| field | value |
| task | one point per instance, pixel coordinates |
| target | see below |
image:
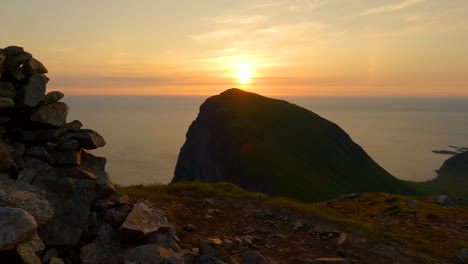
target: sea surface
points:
(145, 133)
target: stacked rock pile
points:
(54, 194)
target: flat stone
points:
(151, 254)
(204, 259)
(104, 185)
(34, 66)
(13, 51)
(74, 172)
(35, 244)
(16, 226)
(142, 221)
(6, 156)
(89, 139)
(17, 194)
(331, 261)
(27, 175)
(74, 125)
(54, 114)
(28, 251)
(39, 152)
(55, 260)
(52, 97)
(32, 91)
(38, 135)
(69, 145)
(6, 103)
(71, 157)
(19, 75)
(24, 57)
(163, 241)
(103, 248)
(253, 257)
(88, 160)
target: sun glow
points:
(243, 72)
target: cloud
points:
(216, 35)
(391, 8)
(307, 5)
(239, 20)
(266, 5)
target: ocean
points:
(145, 133)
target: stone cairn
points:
(57, 203)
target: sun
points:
(244, 73)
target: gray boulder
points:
(39, 135)
(142, 221)
(16, 226)
(52, 97)
(18, 194)
(205, 259)
(71, 200)
(164, 241)
(103, 248)
(444, 200)
(32, 91)
(28, 252)
(151, 254)
(74, 126)
(88, 139)
(34, 66)
(54, 114)
(253, 257)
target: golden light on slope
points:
(243, 72)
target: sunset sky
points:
(290, 47)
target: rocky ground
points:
(283, 231)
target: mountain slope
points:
(452, 178)
(278, 148)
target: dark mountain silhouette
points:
(278, 148)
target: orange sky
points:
(295, 47)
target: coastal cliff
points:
(272, 146)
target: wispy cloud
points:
(392, 8)
(216, 35)
(266, 5)
(239, 20)
(309, 5)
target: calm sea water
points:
(145, 133)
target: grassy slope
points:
(297, 152)
(428, 230)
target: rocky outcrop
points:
(51, 185)
(272, 146)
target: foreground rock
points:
(17, 194)
(142, 221)
(16, 226)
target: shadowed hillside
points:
(278, 148)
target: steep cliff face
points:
(278, 148)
